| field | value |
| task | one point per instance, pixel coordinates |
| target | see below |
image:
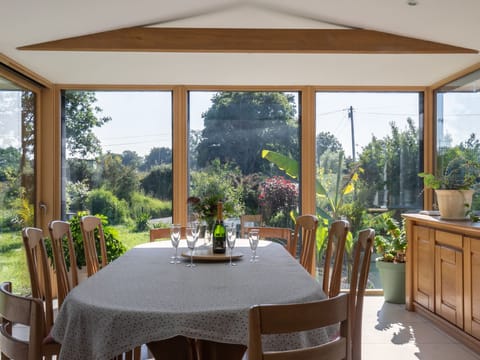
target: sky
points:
(151, 113)
(142, 119)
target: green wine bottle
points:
(219, 232)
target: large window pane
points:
(17, 179)
(458, 123)
(232, 139)
(368, 160)
(118, 156)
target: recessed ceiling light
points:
(412, 2)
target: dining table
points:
(141, 297)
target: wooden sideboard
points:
(443, 274)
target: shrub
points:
(141, 223)
(278, 196)
(115, 247)
(76, 196)
(155, 208)
(101, 201)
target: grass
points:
(13, 264)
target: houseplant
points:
(115, 247)
(391, 243)
(454, 188)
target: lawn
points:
(13, 266)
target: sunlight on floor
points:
(390, 332)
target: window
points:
(458, 123)
(238, 141)
(17, 177)
(368, 155)
(118, 155)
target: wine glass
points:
(253, 240)
(192, 236)
(231, 237)
(195, 225)
(175, 238)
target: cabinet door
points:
(472, 286)
(449, 277)
(424, 266)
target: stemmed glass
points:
(192, 236)
(175, 238)
(195, 225)
(253, 240)
(231, 237)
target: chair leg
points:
(137, 353)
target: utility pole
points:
(350, 116)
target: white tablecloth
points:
(140, 297)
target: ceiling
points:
(450, 22)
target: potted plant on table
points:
(454, 189)
(391, 243)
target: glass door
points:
(17, 177)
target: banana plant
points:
(334, 200)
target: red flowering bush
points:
(278, 196)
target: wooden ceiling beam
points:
(221, 40)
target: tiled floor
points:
(390, 333)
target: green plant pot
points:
(392, 277)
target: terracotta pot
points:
(454, 204)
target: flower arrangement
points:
(205, 209)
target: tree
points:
(391, 169)
(157, 156)
(81, 116)
(239, 125)
(9, 161)
(327, 141)
(158, 182)
(119, 179)
(131, 158)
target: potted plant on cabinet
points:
(454, 188)
(391, 243)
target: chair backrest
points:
(164, 233)
(305, 230)
(39, 271)
(247, 221)
(27, 311)
(92, 230)
(332, 273)
(277, 233)
(363, 249)
(60, 233)
(290, 318)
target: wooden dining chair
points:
(60, 233)
(39, 271)
(333, 259)
(280, 234)
(363, 249)
(305, 231)
(164, 233)
(92, 232)
(247, 221)
(27, 312)
(290, 318)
